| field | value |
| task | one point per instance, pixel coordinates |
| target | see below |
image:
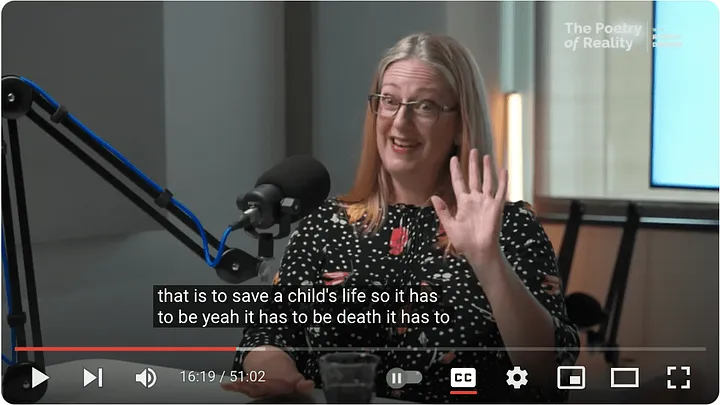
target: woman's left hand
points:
(474, 229)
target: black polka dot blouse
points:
(326, 249)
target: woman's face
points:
(416, 139)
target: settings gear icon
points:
(517, 377)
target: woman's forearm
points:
(522, 321)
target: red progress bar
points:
(463, 392)
(125, 349)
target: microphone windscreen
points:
(300, 177)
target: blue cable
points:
(212, 262)
(6, 276)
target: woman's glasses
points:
(425, 112)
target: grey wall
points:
(104, 62)
(224, 101)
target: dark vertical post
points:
(298, 78)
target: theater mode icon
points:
(624, 377)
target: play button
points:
(37, 378)
(24, 383)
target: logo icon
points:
(517, 377)
(620, 374)
(571, 377)
(685, 385)
(661, 38)
(462, 378)
(147, 378)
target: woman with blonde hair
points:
(427, 208)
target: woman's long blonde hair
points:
(370, 193)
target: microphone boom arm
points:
(18, 98)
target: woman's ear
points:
(455, 150)
(457, 140)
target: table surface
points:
(65, 385)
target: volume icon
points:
(147, 378)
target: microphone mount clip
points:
(229, 269)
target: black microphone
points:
(301, 178)
(284, 194)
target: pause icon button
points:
(397, 378)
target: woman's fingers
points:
(457, 178)
(243, 388)
(305, 386)
(487, 185)
(253, 390)
(502, 186)
(474, 171)
(269, 387)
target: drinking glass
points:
(349, 378)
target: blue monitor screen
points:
(685, 91)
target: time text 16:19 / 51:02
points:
(211, 376)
